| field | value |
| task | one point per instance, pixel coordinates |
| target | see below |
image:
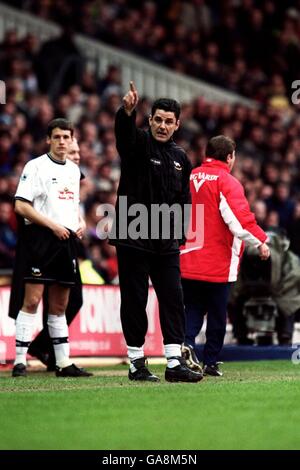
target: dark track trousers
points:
(201, 298)
(135, 267)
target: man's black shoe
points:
(40, 355)
(182, 373)
(51, 363)
(213, 370)
(189, 355)
(51, 366)
(47, 359)
(72, 371)
(142, 372)
(19, 370)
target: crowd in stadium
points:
(247, 46)
(258, 56)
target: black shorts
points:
(48, 260)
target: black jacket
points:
(151, 173)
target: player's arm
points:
(128, 136)
(26, 210)
(236, 213)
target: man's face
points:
(59, 142)
(163, 124)
(73, 152)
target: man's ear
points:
(48, 140)
(150, 119)
(177, 124)
(229, 157)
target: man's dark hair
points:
(5, 133)
(61, 123)
(167, 105)
(219, 147)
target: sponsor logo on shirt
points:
(200, 178)
(155, 162)
(36, 272)
(203, 176)
(177, 166)
(66, 194)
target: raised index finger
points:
(132, 87)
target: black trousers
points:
(201, 298)
(135, 268)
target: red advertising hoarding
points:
(96, 330)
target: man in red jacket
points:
(208, 270)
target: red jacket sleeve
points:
(236, 213)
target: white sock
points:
(171, 351)
(24, 328)
(133, 354)
(59, 333)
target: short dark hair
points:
(5, 133)
(61, 123)
(167, 104)
(219, 147)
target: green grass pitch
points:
(254, 406)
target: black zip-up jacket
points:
(151, 173)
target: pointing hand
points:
(130, 100)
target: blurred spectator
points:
(59, 58)
(272, 220)
(111, 83)
(6, 151)
(8, 237)
(294, 229)
(260, 211)
(281, 203)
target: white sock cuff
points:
(26, 318)
(134, 352)
(57, 321)
(57, 325)
(172, 350)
